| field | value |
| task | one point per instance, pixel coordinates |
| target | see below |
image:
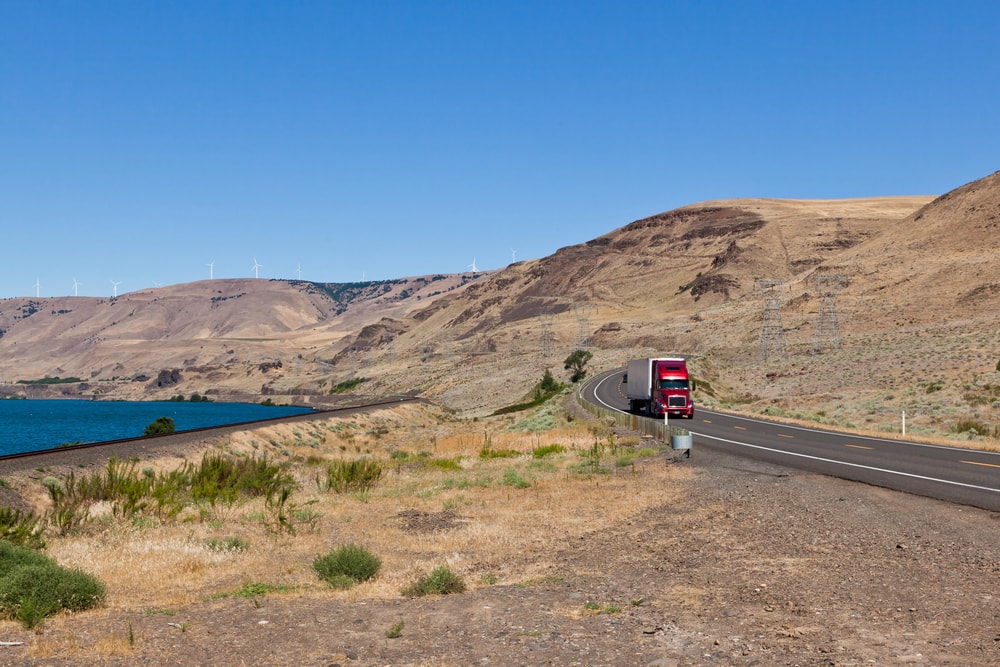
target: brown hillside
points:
(904, 279)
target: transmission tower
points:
(548, 337)
(827, 329)
(583, 314)
(772, 334)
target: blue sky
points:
(140, 141)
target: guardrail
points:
(654, 427)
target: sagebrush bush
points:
(347, 565)
(441, 581)
(33, 587)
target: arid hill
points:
(873, 306)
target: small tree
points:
(577, 362)
(548, 385)
(161, 425)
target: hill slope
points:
(876, 297)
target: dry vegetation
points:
(607, 550)
(454, 493)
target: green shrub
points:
(547, 450)
(490, 453)
(224, 479)
(444, 464)
(21, 528)
(395, 631)
(346, 385)
(358, 475)
(13, 556)
(512, 478)
(161, 425)
(218, 479)
(227, 544)
(971, 426)
(32, 587)
(347, 565)
(441, 581)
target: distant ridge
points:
(687, 281)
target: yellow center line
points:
(782, 435)
(742, 428)
(707, 421)
(977, 463)
(847, 444)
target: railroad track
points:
(85, 454)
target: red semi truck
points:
(658, 386)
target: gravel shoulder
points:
(752, 565)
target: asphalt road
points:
(955, 474)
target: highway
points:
(955, 474)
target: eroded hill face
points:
(874, 297)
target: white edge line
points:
(819, 458)
(850, 465)
(851, 435)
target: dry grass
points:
(495, 532)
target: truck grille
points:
(676, 402)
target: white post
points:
(904, 422)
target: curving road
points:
(966, 476)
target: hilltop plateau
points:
(874, 306)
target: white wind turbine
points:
(114, 285)
(256, 268)
(473, 266)
(38, 288)
(298, 271)
(76, 288)
(211, 270)
(513, 256)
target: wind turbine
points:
(298, 271)
(114, 285)
(38, 288)
(473, 266)
(256, 268)
(211, 270)
(513, 256)
(76, 288)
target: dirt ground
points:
(752, 564)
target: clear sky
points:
(141, 141)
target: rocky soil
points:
(751, 564)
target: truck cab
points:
(659, 386)
(673, 388)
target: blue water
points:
(29, 426)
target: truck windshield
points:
(673, 384)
